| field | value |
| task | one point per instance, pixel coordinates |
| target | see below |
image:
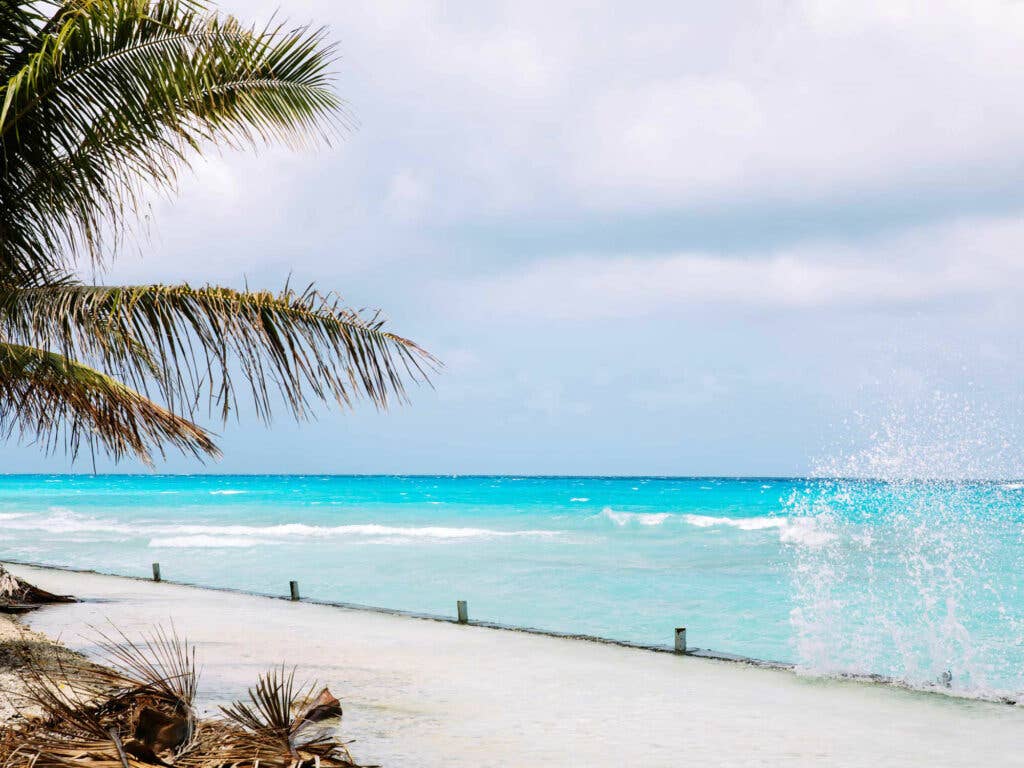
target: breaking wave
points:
(743, 523)
(635, 518)
(801, 530)
(60, 521)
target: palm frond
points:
(269, 713)
(162, 662)
(185, 341)
(20, 24)
(64, 402)
(115, 96)
(114, 716)
(97, 716)
(102, 102)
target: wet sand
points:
(428, 693)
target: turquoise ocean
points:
(918, 581)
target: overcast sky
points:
(644, 237)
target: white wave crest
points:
(635, 518)
(61, 521)
(239, 536)
(579, 498)
(227, 492)
(698, 521)
(743, 523)
(802, 531)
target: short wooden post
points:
(680, 646)
(156, 571)
(463, 610)
(294, 587)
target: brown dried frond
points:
(137, 713)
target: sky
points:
(725, 238)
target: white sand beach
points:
(429, 693)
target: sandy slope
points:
(435, 694)
(16, 642)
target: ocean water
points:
(920, 581)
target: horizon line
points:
(524, 476)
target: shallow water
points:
(907, 579)
(430, 694)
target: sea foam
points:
(62, 522)
(635, 518)
(698, 521)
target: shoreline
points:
(864, 678)
(438, 693)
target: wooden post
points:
(463, 611)
(156, 571)
(680, 646)
(294, 587)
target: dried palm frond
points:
(163, 663)
(63, 402)
(269, 715)
(94, 713)
(190, 343)
(137, 713)
(17, 594)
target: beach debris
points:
(157, 732)
(320, 721)
(17, 595)
(137, 711)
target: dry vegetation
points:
(137, 711)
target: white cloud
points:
(813, 99)
(538, 107)
(953, 265)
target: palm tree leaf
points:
(186, 341)
(112, 97)
(20, 23)
(64, 402)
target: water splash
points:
(918, 575)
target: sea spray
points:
(917, 574)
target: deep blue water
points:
(908, 579)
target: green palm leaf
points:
(103, 102)
(115, 96)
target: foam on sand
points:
(435, 694)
